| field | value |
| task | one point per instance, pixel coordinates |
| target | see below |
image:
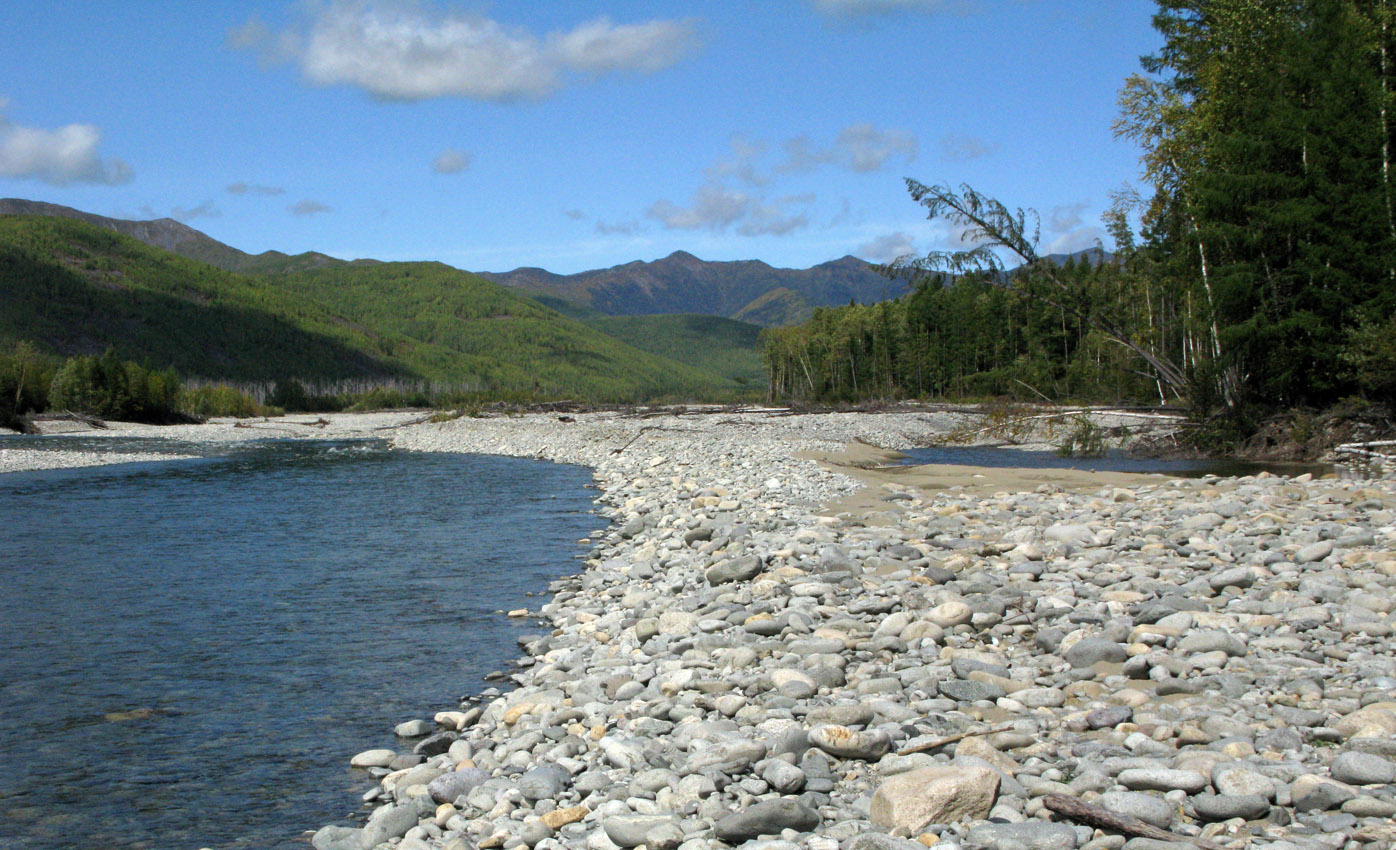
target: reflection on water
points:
(195, 648)
(997, 457)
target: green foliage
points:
(25, 376)
(1370, 356)
(110, 388)
(1085, 439)
(71, 288)
(220, 400)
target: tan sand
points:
(870, 465)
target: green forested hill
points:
(71, 287)
(727, 347)
(465, 328)
(74, 288)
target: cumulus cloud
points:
(716, 208)
(243, 188)
(741, 165)
(401, 50)
(451, 161)
(954, 148)
(600, 46)
(1066, 217)
(771, 220)
(205, 210)
(58, 157)
(858, 147)
(712, 208)
(620, 228)
(1075, 240)
(307, 207)
(885, 249)
(860, 8)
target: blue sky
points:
(570, 136)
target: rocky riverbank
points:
(738, 667)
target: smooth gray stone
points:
(1109, 717)
(448, 786)
(840, 715)
(388, 822)
(744, 568)
(878, 841)
(1219, 807)
(1149, 808)
(543, 783)
(965, 690)
(727, 757)
(767, 817)
(630, 830)
(665, 836)
(1162, 779)
(784, 777)
(1336, 823)
(1093, 650)
(1212, 641)
(1033, 835)
(534, 831)
(413, 728)
(1362, 769)
(1314, 552)
(435, 745)
(337, 838)
(1325, 797)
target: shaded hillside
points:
(725, 347)
(70, 287)
(682, 283)
(777, 308)
(178, 238)
(461, 327)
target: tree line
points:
(1254, 269)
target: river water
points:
(190, 651)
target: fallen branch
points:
(950, 739)
(1077, 810)
(70, 416)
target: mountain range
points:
(747, 290)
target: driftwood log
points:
(950, 739)
(1077, 810)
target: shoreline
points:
(765, 624)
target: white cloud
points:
(863, 147)
(858, 147)
(1066, 217)
(600, 46)
(859, 8)
(955, 148)
(742, 163)
(712, 208)
(620, 228)
(1076, 240)
(307, 207)
(716, 208)
(401, 50)
(58, 157)
(205, 210)
(885, 249)
(243, 188)
(451, 161)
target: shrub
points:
(111, 388)
(220, 400)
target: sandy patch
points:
(871, 467)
